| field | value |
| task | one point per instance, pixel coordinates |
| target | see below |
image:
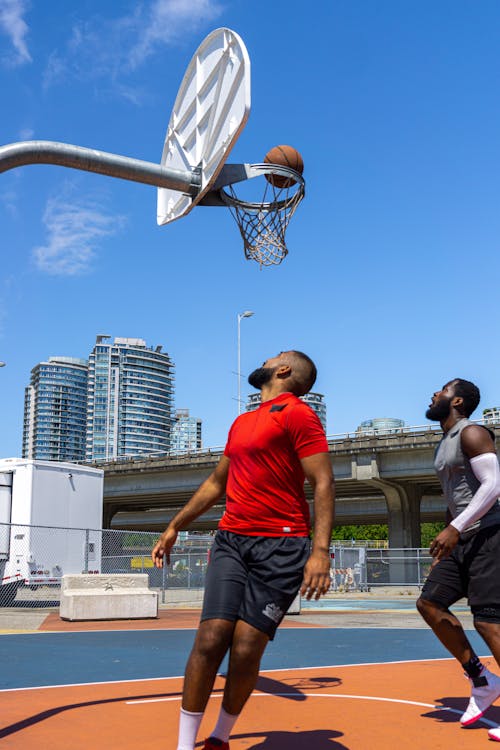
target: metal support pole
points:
(239, 364)
(86, 561)
(163, 579)
(89, 160)
(246, 314)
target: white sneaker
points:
(482, 696)
(494, 734)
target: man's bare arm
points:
(475, 441)
(318, 470)
(205, 496)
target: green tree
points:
(380, 531)
(370, 531)
(429, 531)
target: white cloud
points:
(74, 229)
(15, 27)
(111, 48)
(26, 134)
(165, 21)
(10, 192)
(55, 70)
(9, 200)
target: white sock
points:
(189, 723)
(225, 723)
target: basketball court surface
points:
(118, 685)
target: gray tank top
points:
(458, 480)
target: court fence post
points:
(86, 561)
(163, 579)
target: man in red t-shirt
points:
(261, 555)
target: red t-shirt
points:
(265, 486)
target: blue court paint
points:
(65, 658)
(40, 659)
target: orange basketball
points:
(284, 156)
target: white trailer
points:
(36, 497)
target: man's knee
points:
(429, 610)
(248, 643)
(423, 606)
(213, 638)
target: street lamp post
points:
(246, 314)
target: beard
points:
(260, 377)
(438, 411)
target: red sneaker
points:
(213, 743)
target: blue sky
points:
(391, 284)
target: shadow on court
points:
(457, 706)
(292, 688)
(313, 683)
(288, 688)
(316, 739)
(30, 721)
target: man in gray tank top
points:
(467, 552)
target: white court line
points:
(326, 695)
(263, 671)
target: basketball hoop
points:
(263, 224)
(210, 111)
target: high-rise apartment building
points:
(130, 399)
(491, 415)
(380, 425)
(186, 432)
(55, 410)
(315, 400)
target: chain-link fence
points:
(34, 558)
(361, 568)
(397, 567)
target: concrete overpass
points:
(385, 478)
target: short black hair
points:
(313, 372)
(468, 392)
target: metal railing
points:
(334, 438)
(33, 560)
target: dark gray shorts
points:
(253, 578)
(473, 571)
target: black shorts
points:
(253, 578)
(473, 571)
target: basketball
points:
(284, 156)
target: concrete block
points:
(107, 597)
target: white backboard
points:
(210, 111)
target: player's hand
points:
(163, 546)
(316, 575)
(443, 544)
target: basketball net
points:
(263, 225)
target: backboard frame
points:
(210, 111)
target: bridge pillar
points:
(403, 506)
(108, 511)
(402, 498)
(403, 510)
